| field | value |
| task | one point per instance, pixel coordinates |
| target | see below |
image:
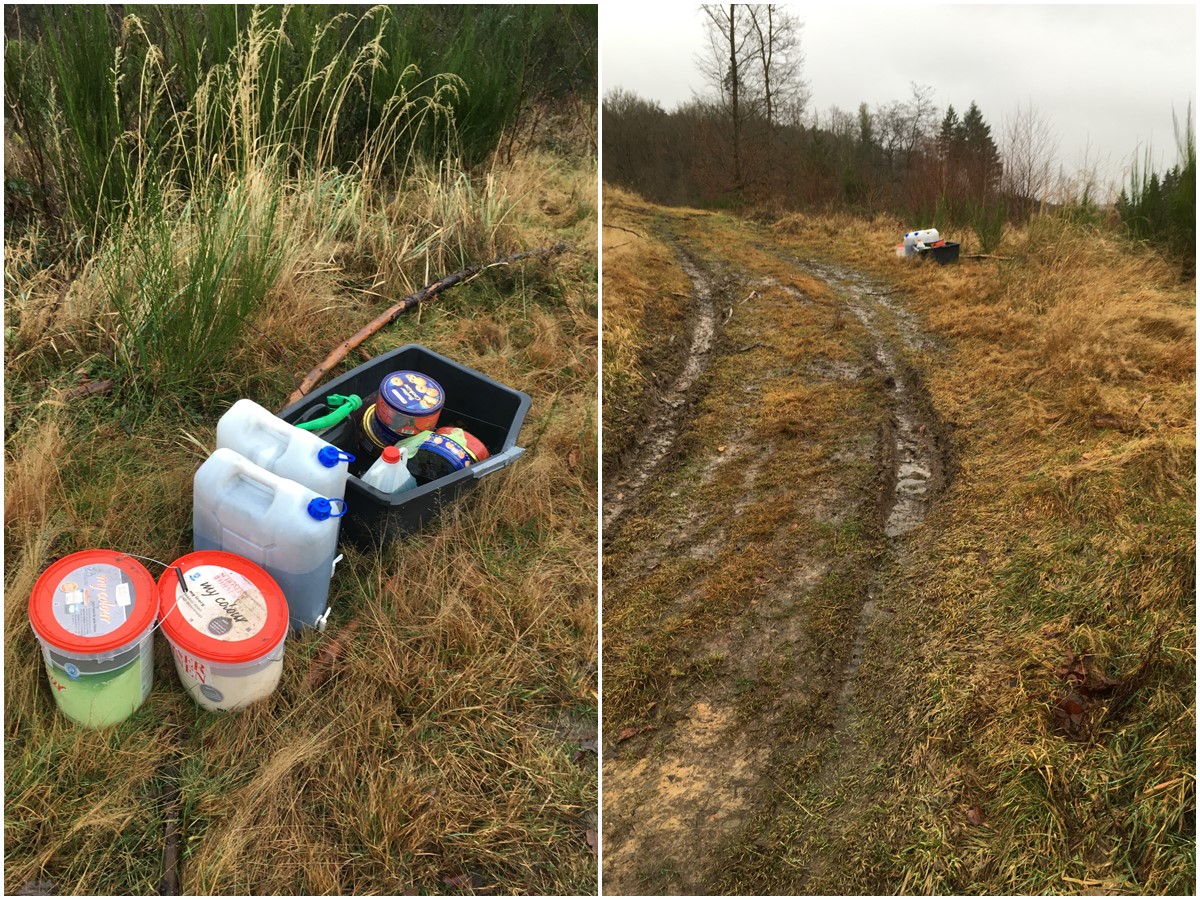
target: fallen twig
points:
(169, 885)
(750, 347)
(628, 230)
(989, 256)
(412, 300)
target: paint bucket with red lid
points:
(226, 624)
(93, 613)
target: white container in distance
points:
(93, 613)
(272, 521)
(390, 472)
(923, 237)
(280, 447)
(226, 622)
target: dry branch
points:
(411, 301)
(627, 230)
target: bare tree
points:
(778, 79)
(725, 68)
(920, 118)
(1030, 148)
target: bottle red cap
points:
(391, 455)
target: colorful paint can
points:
(226, 623)
(473, 445)
(93, 613)
(437, 457)
(372, 436)
(409, 402)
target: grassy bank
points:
(443, 751)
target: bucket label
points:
(222, 604)
(93, 600)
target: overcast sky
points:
(1108, 77)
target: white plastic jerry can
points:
(278, 523)
(915, 240)
(282, 448)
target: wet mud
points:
(655, 444)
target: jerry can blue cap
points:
(322, 509)
(331, 456)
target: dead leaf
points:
(459, 881)
(573, 460)
(592, 838)
(975, 815)
(1070, 713)
(721, 449)
(627, 732)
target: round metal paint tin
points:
(473, 445)
(437, 457)
(409, 402)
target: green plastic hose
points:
(344, 405)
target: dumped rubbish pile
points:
(373, 457)
(928, 243)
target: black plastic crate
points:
(484, 407)
(943, 255)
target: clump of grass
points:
(184, 287)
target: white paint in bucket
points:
(226, 624)
(93, 613)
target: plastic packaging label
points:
(93, 600)
(222, 604)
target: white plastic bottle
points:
(273, 521)
(390, 472)
(280, 447)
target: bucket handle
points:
(162, 617)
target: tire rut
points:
(654, 445)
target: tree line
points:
(754, 138)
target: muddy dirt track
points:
(749, 561)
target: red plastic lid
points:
(232, 611)
(391, 454)
(94, 601)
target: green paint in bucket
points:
(93, 613)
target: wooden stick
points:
(626, 230)
(412, 300)
(169, 885)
